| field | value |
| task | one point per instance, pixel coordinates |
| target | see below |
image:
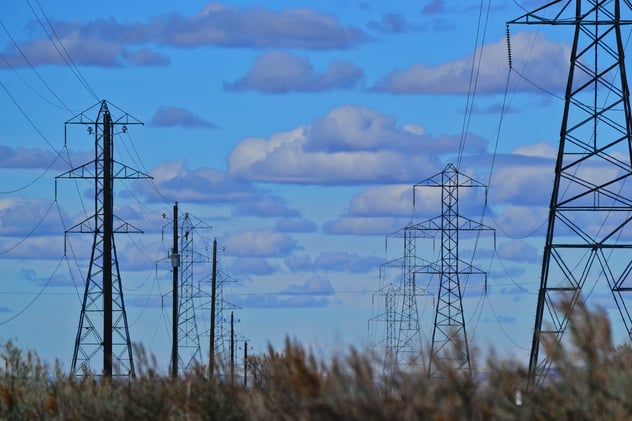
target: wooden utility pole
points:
(175, 266)
(245, 363)
(232, 347)
(211, 363)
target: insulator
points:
(509, 47)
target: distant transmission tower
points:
(103, 331)
(190, 351)
(402, 342)
(387, 295)
(408, 346)
(449, 337)
(589, 234)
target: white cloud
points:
(265, 207)
(280, 72)
(335, 262)
(315, 285)
(350, 145)
(173, 180)
(383, 201)
(107, 42)
(171, 116)
(348, 225)
(295, 225)
(518, 251)
(265, 243)
(22, 217)
(543, 62)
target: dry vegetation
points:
(595, 382)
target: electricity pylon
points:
(189, 348)
(103, 330)
(589, 233)
(402, 345)
(449, 336)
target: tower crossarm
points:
(561, 16)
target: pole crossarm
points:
(87, 116)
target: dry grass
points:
(595, 382)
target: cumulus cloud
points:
(350, 145)
(265, 207)
(334, 262)
(29, 158)
(315, 285)
(252, 266)
(543, 62)
(383, 201)
(295, 225)
(390, 23)
(50, 280)
(37, 248)
(108, 42)
(518, 251)
(174, 180)
(350, 225)
(275, 301)
(434, 7)
(171, 116)
(279, 72)
(28, 217)
(263, 243)
(313, 292)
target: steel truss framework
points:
(189, 348)
(103, 330)
(402, 344)
(589, 234)
(449, 344)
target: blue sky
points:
(296, 131)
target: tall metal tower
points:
(189, 349)
(402, 344)
(103, 330)
(383, 326)
(449, 337)
(589, 234)
(408, 346)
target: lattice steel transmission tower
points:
(589, 234)
(402, 342)
(449, 337)
(189, 348)
(389, 317)
(408, 344)
(103, 330)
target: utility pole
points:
(175, 268)
(588, 238)
(211, 363)
(232, 347)
(103, 294)
(245, 363)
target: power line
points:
(17, 46)
(474, 74)
(64, 55)
(39, 294)
(29, 234)
(28, 118)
